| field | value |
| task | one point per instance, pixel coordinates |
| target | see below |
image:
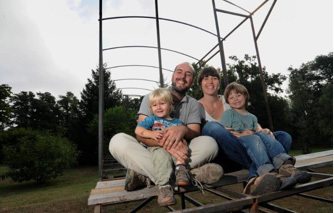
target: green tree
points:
(38, 113)
(69, 112)
(46, 113)
(5, 108)
(90, 95)
(88, 106)
(131, 103)
(23, 107)
(311, 94)
(117, 119)
(37, 156)
(195, 91)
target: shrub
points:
(38, 156)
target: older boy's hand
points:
(268, 132)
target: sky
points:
(52, 45)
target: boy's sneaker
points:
(134, 180)
(182, 175)
(288, 170)
(264, 184)
(166, 196)
(208, 173)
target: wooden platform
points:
(112, 191)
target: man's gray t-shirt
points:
(187, 110)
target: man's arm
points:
(194, 130)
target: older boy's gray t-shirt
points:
(188, 110)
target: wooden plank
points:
(98, 209)
(121, 196)
(112, 191)
(314, 160)
(314, 155)
(110, 183)
(109, 190)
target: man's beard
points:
(180, 91)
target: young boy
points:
(161, 103)
(250, 134)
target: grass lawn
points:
(69, 193)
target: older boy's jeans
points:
(236, 152)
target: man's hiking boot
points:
(182, 175)
(134, 180)
(288, 170)
(264, 184)
(208, 173)
(166, 196)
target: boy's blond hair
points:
(239, 88)
(161, 93)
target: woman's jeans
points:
(259, 153)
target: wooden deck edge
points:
(112, 191)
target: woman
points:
(260, 181)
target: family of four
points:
(172, 148)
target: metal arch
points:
(136, 88)
(136, 79)
(132, 95)
(137, 65)
(153, 47)
(164, 19)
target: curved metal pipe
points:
(137, 65)
(153, 47)
(164, 19)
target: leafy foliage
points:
(40, 113)
(5, 108)
(37, 156)
(88, 142)
(311, 94)
(90, 94)
(117, 119)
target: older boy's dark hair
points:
(207, 71)
(239, 88)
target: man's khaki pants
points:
(132, 155)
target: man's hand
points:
(172, 136)
(180, 151)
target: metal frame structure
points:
(207, 57)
